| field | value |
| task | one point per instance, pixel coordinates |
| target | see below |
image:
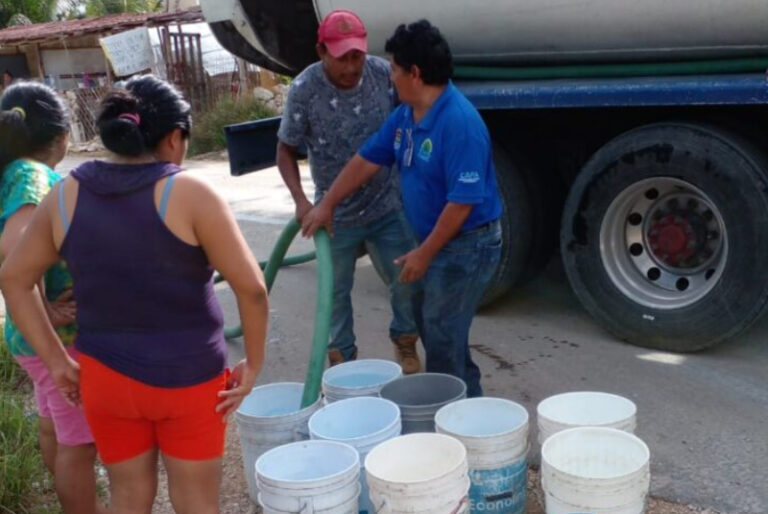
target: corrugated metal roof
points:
(22, 34)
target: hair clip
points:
(135, 118)
(21, 111)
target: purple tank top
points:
(145, 300)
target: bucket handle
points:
(456, 510)
(307, 507)
(301, 432)
(461, 503)
(380, 508)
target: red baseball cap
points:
(342, 31)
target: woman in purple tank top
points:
(141, 242)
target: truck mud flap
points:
(252, 145)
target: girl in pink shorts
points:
(34, 133)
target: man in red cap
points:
(333, 106)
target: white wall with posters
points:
(66, 67)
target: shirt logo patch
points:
(469, 177)
(398, 138)
(425, 152)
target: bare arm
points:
(20, 275)
(288, 165)
(14, 229)
(416, 262)
(228, 252)
(62, 310)
(357, 172)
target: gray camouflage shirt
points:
(334, 124)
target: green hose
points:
(293, 260)
(704, 67)
(322, 328)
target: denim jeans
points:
(386, 239)
(450, 295)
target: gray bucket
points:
(421, 396)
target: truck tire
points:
(516, 224)
(664, 236)
(546, 194)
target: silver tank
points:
(530, 31)
(280, 34)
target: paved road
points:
(704, 416)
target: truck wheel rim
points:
(663, 243)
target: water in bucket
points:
(593, 469)
(320, 477)
(270, 416)
(363, 423)
(358, 378)
(421, 396)
(495, 434)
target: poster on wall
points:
(129, 52)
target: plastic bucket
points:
(495, 434)
(596, 470)
(418, 473)
(362, 423)
(309, 477)
(421, 396)
(584, 409)
(359, 378)
(270, 416)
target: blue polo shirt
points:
(446, 157)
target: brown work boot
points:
(335, 357)
(405, 353)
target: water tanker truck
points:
(631, 135)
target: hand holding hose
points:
(321, 216)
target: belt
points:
(481, 228)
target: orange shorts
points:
(128, 417)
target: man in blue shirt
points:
(448, 184)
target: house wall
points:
(66, 68)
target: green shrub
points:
(208, 128)
(12, 377)
(21, 465)
(25, 487)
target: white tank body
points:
(542, 31)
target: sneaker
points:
(405, 353)
(335, 357)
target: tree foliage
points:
(102, 7)
(36, 11)
(70, 9)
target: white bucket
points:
(310, 477)
(362, 423)
(359, 378)
(584, 409)
(270, 416)
(495, 434)
(418, 473)
(595, 470)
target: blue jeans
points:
(452, 289)
(386, 239)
